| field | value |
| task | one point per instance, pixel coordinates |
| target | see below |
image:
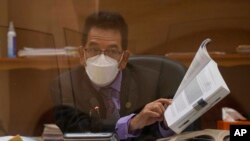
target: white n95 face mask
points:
(101, 69)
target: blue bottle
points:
(11, 41)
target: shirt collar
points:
(116, 84)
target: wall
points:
(4, 101)
(3, 22)
(160, 27)
(4, 75)
(4, 12)
(155, 26)
(44, 15)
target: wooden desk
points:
(44, 63)
(226, 60)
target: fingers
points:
(156, 107)
(164, 101)
(153, 114)
(161, 104)
(150, 114)
(159, 108)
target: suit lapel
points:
(87, 97)
(129, 92)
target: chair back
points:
(173, 71)
(173, 74)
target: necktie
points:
(108, 95)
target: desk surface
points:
(226, 60)
(24, 138)
(44, 63)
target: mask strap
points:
(84, 56)
(124, 54)
(121, 57)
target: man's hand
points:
(152, 112)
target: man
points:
(107, 93)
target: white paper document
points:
(201, 88)
(66, 51)
(90, 136)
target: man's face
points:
(104, 38)
(107, 40)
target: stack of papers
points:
(243, 49)
(18, 138)
(202, 135)
(68, 51)
(52, 132)
(201, 88)
(90, 136)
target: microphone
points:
(94, 113)
(94, 110)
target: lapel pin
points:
(128, 105)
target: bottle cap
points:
(11, 26)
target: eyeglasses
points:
(111, 52)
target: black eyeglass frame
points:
(111, 52)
